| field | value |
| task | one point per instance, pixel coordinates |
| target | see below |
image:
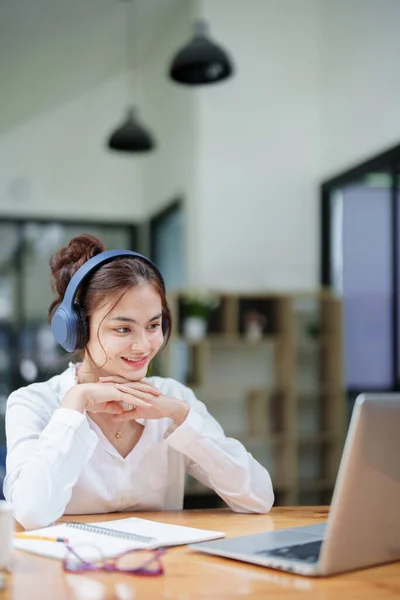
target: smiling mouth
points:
(135, 362)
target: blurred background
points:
(250, 147)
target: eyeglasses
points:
(133, 562)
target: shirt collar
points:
(68, 379)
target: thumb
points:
(113, 407)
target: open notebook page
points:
(158, 534)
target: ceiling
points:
(53, 50)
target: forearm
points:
(180, 413)
(75, 399)
(40, 486)
(223, 464)
(245, 486)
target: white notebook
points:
(112, 537)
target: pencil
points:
(44, 538)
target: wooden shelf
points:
(274, 439)
(281, 486)
(316, 438)
(276, 388)
(228, 339)
(315, 485)
(324, 389)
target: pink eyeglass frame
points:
(109, 564)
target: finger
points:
(143, 385)
(127, 397)
(148, 382)
(113, 407)
(122, 395)
(147, 386)
(126, 416)
(136, 394)
(109, 407)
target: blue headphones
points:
(69, 324)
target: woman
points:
(101, 437)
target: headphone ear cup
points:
(63, 325)
(82, 327)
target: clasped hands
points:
(107, 395)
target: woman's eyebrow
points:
(156, 317)
(129, 320)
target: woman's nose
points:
(140, 342)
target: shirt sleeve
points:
(219, 462)
(46, 454)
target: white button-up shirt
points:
(59, 461)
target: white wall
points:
(65, 87)
(57, 163)
(360, 83)
(171, 171)
(316, 90)
(51, 51)
(259, 148)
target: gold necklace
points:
(119, 434)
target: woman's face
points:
(130, 333)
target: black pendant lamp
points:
(131, 135)
(200, 61)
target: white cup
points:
(6, 535)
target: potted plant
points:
(197, 305)
(254, 324)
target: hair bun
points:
(65, 263)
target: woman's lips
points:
(136, 364)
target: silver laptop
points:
(363, 527)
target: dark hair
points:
(112, 278)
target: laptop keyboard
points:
(308, 552)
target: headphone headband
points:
(97, 261)
(69, 325)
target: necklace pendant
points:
(118, 435)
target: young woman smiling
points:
(102, 436)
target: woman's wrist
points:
(74, 399)
(180, 413)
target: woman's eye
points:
(122, 329)
(154, 326)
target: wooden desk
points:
(192, 575)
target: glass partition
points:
(360, 259)
(28, 351)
